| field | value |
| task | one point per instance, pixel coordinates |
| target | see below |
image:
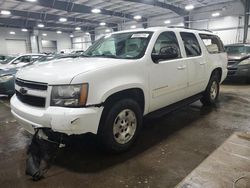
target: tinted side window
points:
(166, 39)
(191, 44)
(213, 43)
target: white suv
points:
(121, 78)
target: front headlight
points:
(245, 62)
(69, 95)
(6, 78)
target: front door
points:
(168, 77)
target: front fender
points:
(121, 88)
(110, 80)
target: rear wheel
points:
(120, 126)
(211, 94)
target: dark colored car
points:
(7, 77)
(8, 69)
(238, 61)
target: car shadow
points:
(84, 155)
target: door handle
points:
(203, 63)
(181, 67)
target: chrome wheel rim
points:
(124, 126)
(214, 90)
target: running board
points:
(165, 110)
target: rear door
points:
(168, 77)
(196, 63)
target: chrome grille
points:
(31, 93)
(31, 85)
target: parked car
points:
(124, 76)
(7, 80)
(20, 61)
(5, 59)
(7, 75)
(239, 61)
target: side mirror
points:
(166, 53)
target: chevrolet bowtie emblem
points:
(23, 91)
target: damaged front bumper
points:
(59, 119)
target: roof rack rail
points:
(183, 27)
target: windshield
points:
(7, 60)
(130, 45)
(238, 49)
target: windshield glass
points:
(7, 60)
(130, 45)
(238, 49)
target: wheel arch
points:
(136, 93)
(217, 71)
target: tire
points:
(120, 125)
(212, 91)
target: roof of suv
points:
(154, 29)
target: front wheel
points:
(120, 126)
(211, 94)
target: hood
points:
(62, 71)
(237, 57)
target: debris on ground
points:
(40, 155)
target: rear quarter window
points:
(212, 43)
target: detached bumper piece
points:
(41, 154)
